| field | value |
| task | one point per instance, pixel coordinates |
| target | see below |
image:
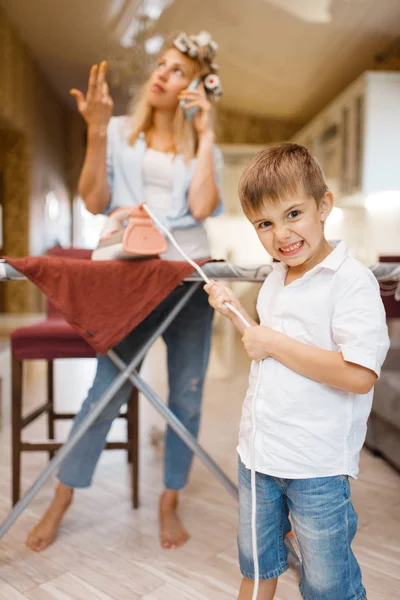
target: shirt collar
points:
(336, 257)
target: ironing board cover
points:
(105, 300)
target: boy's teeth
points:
(292, 247)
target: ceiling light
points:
(133, 43)
(154, 44)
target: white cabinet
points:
(357, 138)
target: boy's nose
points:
(282, 234)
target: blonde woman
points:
(154, 155)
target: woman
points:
(154, 155)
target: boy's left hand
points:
(258, 341)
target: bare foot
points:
(172, 532)
(44, 533)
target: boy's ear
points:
(326, 205)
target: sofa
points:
(383, 434)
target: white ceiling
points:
(279, 58)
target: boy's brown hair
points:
(278, 171)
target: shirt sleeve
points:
(359, 323)
(219, 168)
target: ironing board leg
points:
(176, 425)
(93, 414)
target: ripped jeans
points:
(188, 344)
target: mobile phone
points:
(189, 113)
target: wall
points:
(368, 234)
(389, 59)
(33, 126)
(241, 128)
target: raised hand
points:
(97, 107)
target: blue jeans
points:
(188, 344)
(325, 524)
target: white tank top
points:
(157, 174)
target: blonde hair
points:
(278, 171)
(141, 113)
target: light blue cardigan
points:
(124, 174)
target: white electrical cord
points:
(190, 261)
(253, 401)
(253, 484)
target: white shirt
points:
(158, 181)
(303, 428)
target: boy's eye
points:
(160, 66)
(264, 224)
(179, 72)
(293, 214)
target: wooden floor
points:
(105, 550)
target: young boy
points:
(322, 340)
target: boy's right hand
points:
(218, 294)
(97, 107)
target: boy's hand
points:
(218, 294)
(258, 341)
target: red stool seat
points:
(50, 339)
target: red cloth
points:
(103, 300)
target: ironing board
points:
(214, 270)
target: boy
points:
(322, 340)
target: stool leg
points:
(129, 423)
(133, 441)
(16, 418)
(50, 400)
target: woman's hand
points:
(97, 107)
(202, 118)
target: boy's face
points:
(292, 230)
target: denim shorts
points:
(325, 524)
